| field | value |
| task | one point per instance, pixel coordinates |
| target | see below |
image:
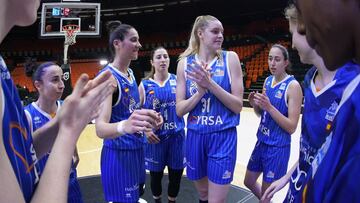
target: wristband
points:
(121, 128)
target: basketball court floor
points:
(89, 147)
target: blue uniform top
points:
(162, 98)
(334, 175)
(318, 116)
(126, 103)
(210, 114)
(269, 132)
(17, 136)
(38, 119)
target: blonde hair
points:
(291, 13)
(201, 22)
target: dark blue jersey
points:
(17, 136)
(127, 102)
(162, 98)
(269, 132)
(334, 175)
(318, 116)
(210, 114)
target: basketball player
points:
(279, 105)
(20, 181)
(323, 90)
(332, 29)
(165, 146)
(210, 89)
(121, 123)
(47, 80)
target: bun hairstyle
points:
(117, 31)
(112, 25)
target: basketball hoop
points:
(70, 34)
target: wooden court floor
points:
(89, 148)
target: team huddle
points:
(142, 127)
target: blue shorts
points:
(169, 152)
(212, 155)
(272, 161)
(74, 192)
(121, 173)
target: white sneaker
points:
(142, 201)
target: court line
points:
(90, 151)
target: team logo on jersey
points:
(279, 94)
(282, 86)
(132, 105)
(330, 113)
(219, 63)
(226, 175)
(149, 85)
(173, 90)
(155, 103)
(173, 82)
(193, 88)
(218, 72)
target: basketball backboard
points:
(54, 16)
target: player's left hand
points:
(159, 122)
(262, 101)
(200, 74)
(151, 137)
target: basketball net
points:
(70, 38)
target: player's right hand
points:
(142, 120)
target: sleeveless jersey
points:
(17, 136)
(210, 114)
(269, 132)
(162, 98)
(127, 102)
(38, 119)
(318, 116)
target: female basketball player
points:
(165, 146)
(332, 29)
(121, 123)
(279, 106)
(48, 82)
(210, 89)
(323, 90)
(20, 181)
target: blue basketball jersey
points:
(127, 102)
(210, 114)
(334, 174)
(162, 98)
(38, 119)
(318, 116)
(17, 136)
(269, 132)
